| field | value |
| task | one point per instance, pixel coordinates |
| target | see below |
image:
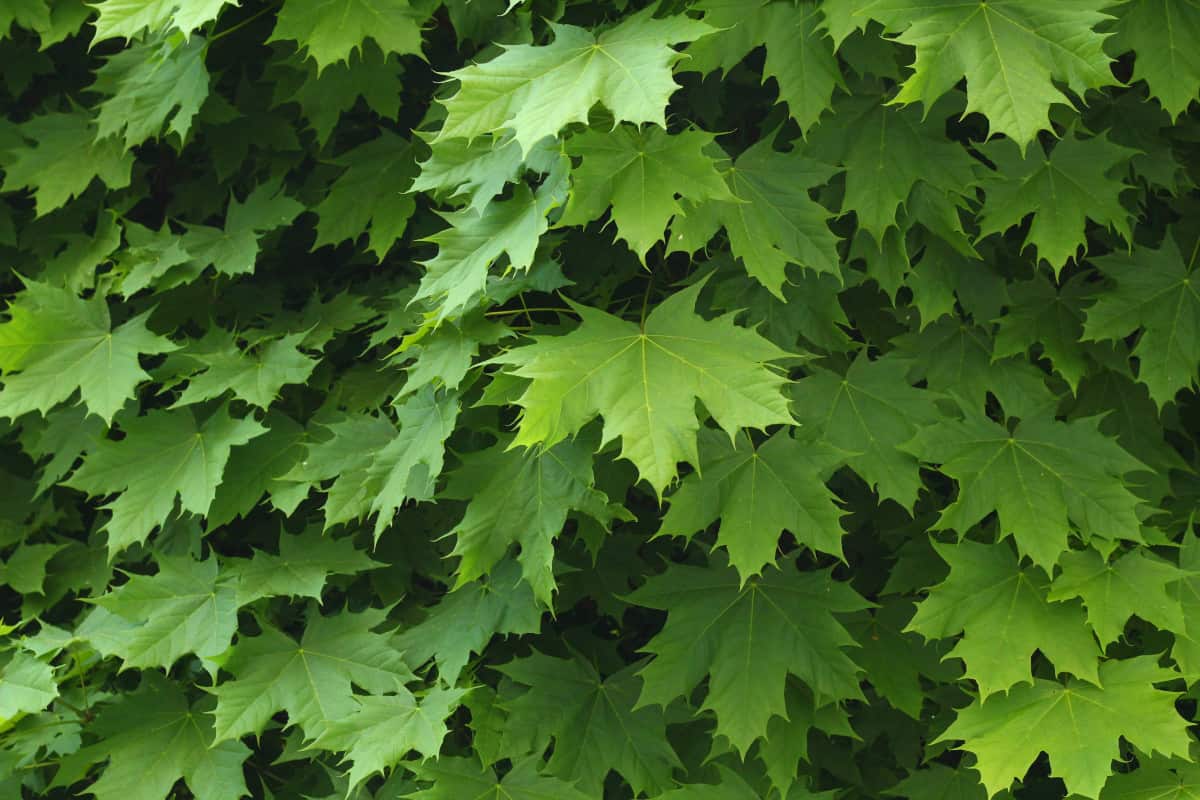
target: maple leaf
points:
(31, 14)
(1010, 51)
(257, 467)
(301, 569)
(477, 170)
(382, 730)
(25, 569)
(521, 497)
(183, 748)
(640, 172)
(747, 638)
(56, 343)
(1186, 650)
(1080, 179)
(27, 686)
(535, 91)
(758, 493)
(799, 55)
(330, 30)
(886, 151)
(457, 777)
(1049, 315)
(644, 381)
(868, 413)
(149, 85)
(63, 160)
(787, 740)
(1135, 583)
(895, 658)
(465, 620)
(457, 275)
(1153, 292)
(1004, 615)
(254, 377)
(187, 607)
(1039, 479)
(1157, 778)
(164, 454)
(233, 250)
(771, 220)
(312, 680)
(128, 18)
(1161, 32)
(1076, 724)
(368, 197)
(592, 722)
(324, 95)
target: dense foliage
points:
(577, 399)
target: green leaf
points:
(465, 620)
(520, 497)
(758, 493)
(456, 777)
(886, 152)
(382, 730)
(592, 722)
(644, 381)
(1051, 316)
(1004, 615)
(1080, 179)
(1160, 778)
(312, 680)
(25, 569)
(129, 18)
(535, 91)
(185, 608)
(190, 455)
(1011, 53)
(1161, 33)
(63, 160)
(330, 30)
(368, 197)
(1077, 725)
(27, 686)
(1039, 479)
(640, 173)
(152, 738)
(149, 85)
(254, 377)
(1153, 292)
(256, 468)
(748, 638)
(56, 342)
(457, 275)
(771, 221)
(301, 569)
(868, 413)
(1135, 583)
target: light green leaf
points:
(644, 381)
(164, 454)
(330, 30)
(1162, 34)
(56, 342)
(312, 680)
(185, 608)
(128, 18)
(639, 172)
(27, 686)
(149, 85)
(1076, 724)
(1010, 51)
(534, 91)
(1004, 615)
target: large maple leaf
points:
(1004, 614)
(534, 91)
(1077, 724)
(1010, 51)
(747, 638)
(55, 343)
(644, 381)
